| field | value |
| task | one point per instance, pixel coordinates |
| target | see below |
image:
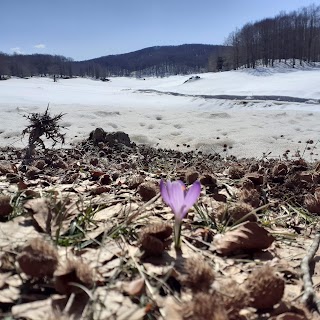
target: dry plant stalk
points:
(309, 296)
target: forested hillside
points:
(155, 61)
(294, 35)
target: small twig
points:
(309, 296)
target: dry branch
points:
(309, 296)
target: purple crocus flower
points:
(180, 200)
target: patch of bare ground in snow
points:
(84, 234)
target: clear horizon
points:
(84, 30)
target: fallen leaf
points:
(15, 232)
(288, 316)
(248, 236)
(172, 310)
(134, 288)
(41, 214)
(9, 287)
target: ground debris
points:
(93, 218)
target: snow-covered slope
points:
(149, 114)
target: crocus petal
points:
(191, 197)
(177, 197)
(164, 192)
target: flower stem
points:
(177, 234)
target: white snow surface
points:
(246, 127)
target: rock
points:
(118, 137)
(97, 136)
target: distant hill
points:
(161, 60)
(154, 61)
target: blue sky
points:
(84, 29)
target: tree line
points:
(154, 61)
(293, 36)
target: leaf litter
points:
(84, 234)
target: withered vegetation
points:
(84, 234)
(42, 124)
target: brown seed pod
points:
(73, 272)
(312, 204)
(208, 180)
(235, 172)
(247, 184)
(317, 194)
(135, 181)
(236, 212)
(265, 288)
(255, 177)
(153, 238)
(198, 275)
(204, 306)
(191, 176)
(250, 196)
(147, 190)
(234, 299)
(280, 169)
(5, 206)
(40, 164)
(38, 258)
(32, 172)
(105, 179)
